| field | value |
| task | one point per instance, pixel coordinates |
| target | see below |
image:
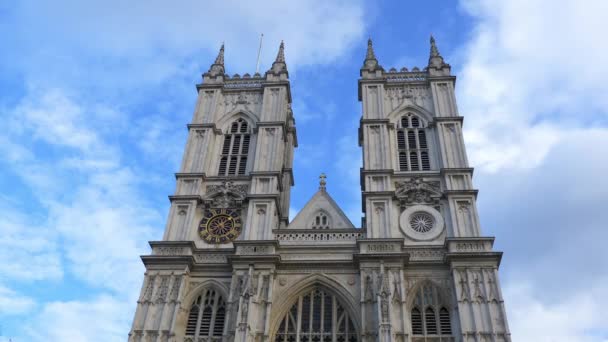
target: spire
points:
(281, 55)
(220, 56)
(370, 50)
(279, 63)
(434, 51)
(436, 62)
(370, 63)
(322, 182)
(217, 68)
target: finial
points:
(370, 50)
(322, 181)
(281, 55)
(279, 65)
(434, 51)
(217, 68)
(370, 63)
(220, 56)
(436, 62)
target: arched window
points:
(207, 315)
(317, 316)
(435, 318)
(321, 221)
(235, 149)
(412, 144)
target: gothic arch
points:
(282, 306)
(190, 296)
(431, 311)
(235, 149)
(198, 288)
(442, 293)
(224, 122)
(398, 112)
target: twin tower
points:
(232, 267)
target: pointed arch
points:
(204, 310)
(285, 304)
(224, 122)
(395, 115)
(237, 144)
(429, 306)
(413, 140)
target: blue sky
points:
(95, 96)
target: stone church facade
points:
(232, 267)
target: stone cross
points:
(322, 181)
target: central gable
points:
(321, 212)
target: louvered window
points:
(316, 316)
(430, 321)
(412, 145)
(235, 149)
(444, 322)
(207, 315)
(435, 319)
(416, 322)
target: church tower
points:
(231, 267)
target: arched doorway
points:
(317, 315)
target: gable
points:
(321, 212)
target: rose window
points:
(422, 222)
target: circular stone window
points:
(421, 222)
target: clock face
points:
(220, 225)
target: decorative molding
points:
(426, 254)
(170, 251)
(206, 258)
(417, 190)
(320, 236)
(225, 195)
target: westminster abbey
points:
(232, 267)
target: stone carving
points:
(168, 251)
(384, 307)
(270, 131)
(408, 95)
(396, 288)
(416, 190)
(149, 288)
(492, 286)
(320, 236)
(351, 281)
(200, 133)
(426, 254)
(464, 285)
(470, 247)
(226, 195)
(478, 292)
(252, 250)
(173, 295)
(381, 248)
(163, 288)
(369, 291)
(282, 281)
(207, 258)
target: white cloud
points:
(152, 39)
(12, 303)
(28, 251)
(574, 318)
(530, 73)
(533, 95)
(87, 200)
(104, 318)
